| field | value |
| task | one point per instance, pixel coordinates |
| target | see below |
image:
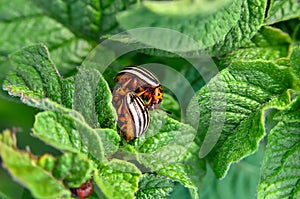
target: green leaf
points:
(74, 169)
(196, 168)
(290, 113)
(292, 27)
(22, 166)
(9, 189)
(87, 19)
(164, 142)
(164, 131)
(92, 98)
(189, 171)
(106, 113)
(281, 10)
(268, 44)
(110, 140)
(118, 179)
(34, 75)
(241, 181)
(24, 19)
(151, 186)
(234, 102)
(280, 171)
(240, 21)
(179, 172)
(81, 17)
(295, 62)
(68, 87)
(14, 9)
(195, 19)
(65, 132)
(250, 20)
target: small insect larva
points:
(84, 191)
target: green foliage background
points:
(255, 45)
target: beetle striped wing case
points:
(133, 115)
(143, 83)
(138, 112)
(143, 76)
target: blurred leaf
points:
(242, 92)
(65, 132)
(9, 189)
(268, 44)
(118, 179)
(240, 21)
(281, 10)
(81, 17)
(23, 18)
(189, 18)
(10, 115)
(87, 19)
(241, 181)
(73, 169)
(22, 166)
(292, 27)
(280, 171)
(151, 186)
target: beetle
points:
(143, 83)
(84, 191)
(133, 115)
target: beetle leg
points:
(123, 128)
(140, 93)
(148, 102)
(126, 83)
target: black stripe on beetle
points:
(143, 83)
(141, 73)
(139, 113)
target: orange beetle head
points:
(157, 97)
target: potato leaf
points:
(23, 166)
(281, 10)
(248, 88)
(151, 186)
(280, 171)
(65, 132)
(35, 77)
(118, 179)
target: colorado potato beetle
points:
(143, 83)
(84, 191)
(133, 115)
